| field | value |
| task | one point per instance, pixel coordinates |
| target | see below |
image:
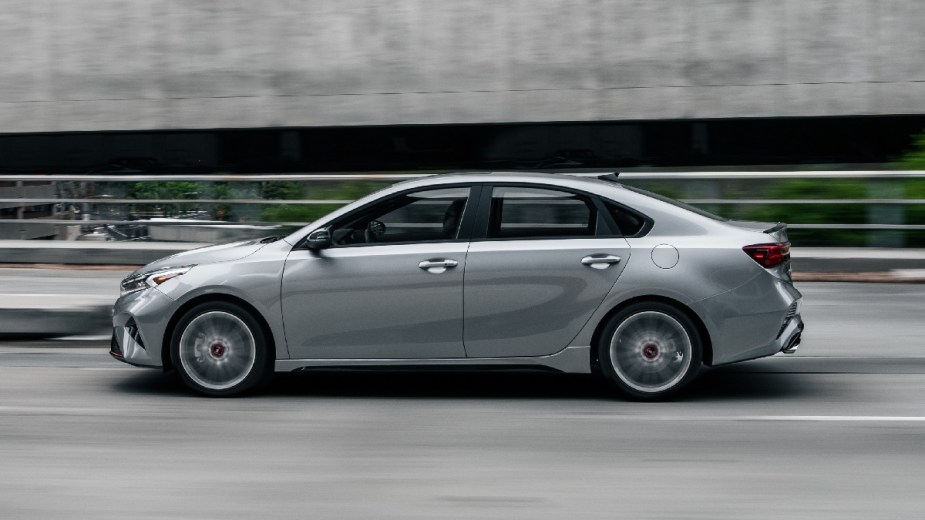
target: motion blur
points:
(141, 129)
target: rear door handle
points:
(600, 261)
(437, 265)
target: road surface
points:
(836, 431)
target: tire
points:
(650, 350)
(220, 349)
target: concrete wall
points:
(72, 65)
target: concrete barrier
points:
(88, 253)
(55, 322)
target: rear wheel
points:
(650, 350)
(220, 349)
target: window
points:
(536, 213)
(421, 216)
(628, 223)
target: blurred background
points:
(141, 115)
(134, 129)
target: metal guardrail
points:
(386, 176)
(393, 177)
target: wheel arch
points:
(701, 327)
(207, 298)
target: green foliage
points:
(282, 190)
(170, 190)
(187, 190)
(297, 213)
(164, 190)
(819, 189)
(292, 190)
(914, 158)
(817, 213)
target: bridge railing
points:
(886, 207)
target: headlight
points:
(152, 278)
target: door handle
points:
(600, 261)
(437, 265)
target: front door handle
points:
(600, 261)
(437, 265)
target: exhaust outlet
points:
(792, 345)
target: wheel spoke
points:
(217, 350)
(644, 351)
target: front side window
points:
(537, 213)
(420, 216)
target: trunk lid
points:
(777, 231)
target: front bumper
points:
(139, 321)
(128, 350)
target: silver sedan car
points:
(500, 270)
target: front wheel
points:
(220, 349)
(650, 350)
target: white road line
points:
(91, 337)
(756, 418)
(835, 418)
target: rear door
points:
(543, 261)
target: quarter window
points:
(536, 213)
(628, 223)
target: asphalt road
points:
(836, 431)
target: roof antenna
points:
(610, 177)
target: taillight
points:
(769, 255)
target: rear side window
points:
(536, 213)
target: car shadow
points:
(736, 383)
(152, 382)
(722, 384)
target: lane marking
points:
(89, 337)
(836, 418)
(758, 418)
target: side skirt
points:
(571, 360)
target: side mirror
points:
(319, 239)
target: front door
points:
(390, 287)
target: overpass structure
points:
(173, 64)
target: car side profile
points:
(517, 270)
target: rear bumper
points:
(760, 318)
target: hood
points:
(208, 255)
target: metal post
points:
(886, 213)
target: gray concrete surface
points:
(163, 64)
(833, 432)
